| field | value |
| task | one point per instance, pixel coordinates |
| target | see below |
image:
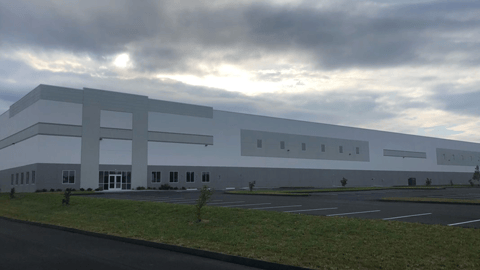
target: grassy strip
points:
(300, 191)
(267, 192)
(434, 200)
(301, 240)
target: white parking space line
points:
(245, 204)
(276, 207)
(190, 201)
(416, 215)
(465, 222)
(305, 210)
(353, 213)
(225, 202)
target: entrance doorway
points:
(115, 182)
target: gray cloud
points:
(466, 102)
(161, 38)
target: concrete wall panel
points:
(116, 152)
(111, 119)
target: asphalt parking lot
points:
(354, 204)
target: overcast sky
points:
(394, 65)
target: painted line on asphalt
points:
(191, 201)
(305, 210)
(225, 202)
(353, 213)
(271, 207)
(460, 223)
(245, 204)
(416, 215)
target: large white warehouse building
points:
(57, 137)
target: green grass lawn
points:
(301, 240)
(435, 200)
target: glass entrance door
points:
(115, 182)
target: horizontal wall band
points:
(179, 138)
(42, 129)
(453, 157)
(282, 145)
(105, 133)
(404, 154)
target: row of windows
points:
(189, 177)
(304, 147)
(18, 178)
(461, 156)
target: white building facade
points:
(60, 138)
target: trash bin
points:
(412, 181)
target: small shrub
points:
(251, 185)
(82, 189)
(72, 189)
(205, 195)
(89, 189)
(66, 195)
(59, 189)
(471, 182)
(165, 187)
(476, 175)
(52, 190)
(183, 188)
(38, 190)
(428, 182)
(44, 190)
(12, 193)
(154, 188)
(175, 188)
(140, 188)
(343, 181)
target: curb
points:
(185, 250)
(458, 203)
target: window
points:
(190, 177)
(68, 177)
(173, 177)
(16, 179)
(21, 178)
(205, 177)
(33, 177)
(129, 180)
(27, 178)
(124, 180)
(357, 150)
(323, 147)
(156, 177)
(100, 179)
(282, 145)
(304, 146)
(259, 143)
(340, 149)
(12, 179)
